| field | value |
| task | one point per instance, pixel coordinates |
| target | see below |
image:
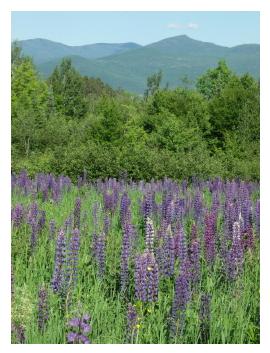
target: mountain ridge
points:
(127, 65)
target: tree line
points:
(72, 125)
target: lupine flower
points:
(205, 317)
(180, 244)
(107, 223)
(132, 323)
(249, 239)
(43, 310)
(235, 254)
(17, 214)
(165, 253)
(80, 328)
(124, 208)
(149, 235)
(181, 297)
(34, 232)
(60, 254)
(77, 213)
(198, 206)
(41, 220)
(72, 258)
(194, 255)
(258, 217)
(100, 253)
(125, 254)
(52, 229)
(209, 237)
(146, 277)
(147, 205)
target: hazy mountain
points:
(43, 50)
(177, 57)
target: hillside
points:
(43, 50)
(177, 57)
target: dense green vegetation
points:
(72, 124)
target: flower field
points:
(117, 261)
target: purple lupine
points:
(198, 206)
(52, 229)
(72, 258)
(110, 200)
(43, 309)
(249, 238)
(80, 329)
(194, 255)
(246, 214)
(165, 252)
(17, 214)
(182, 296)
(180, 244)
(147, 205)
(77, 213)
(100, 248)
(205, 317)
(60, 255)
(124, 208)
(34, 232)
(235, 253)
(41, 220)
(132, 322)
(149, 235)
(209, 237)
(146, 277)
(56, 191)
(257, 217)
(125, 255)
(33, 213)
(107, 223)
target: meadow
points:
(119, 261)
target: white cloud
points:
(175, 25)
(190, 25)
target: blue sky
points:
(77, 28)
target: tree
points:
(68, 90)
(29, 106)
(153, 83)
(214, 80)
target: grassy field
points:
(159, 262)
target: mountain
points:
(43, 50)
(177, 57)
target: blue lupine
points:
(43, 309)
(17, 215)
(209, 237)
(77, 213)
(60, 255)
(80, 329)
(73, 258)
(146, 277)
(149, 235)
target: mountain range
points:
(127, 65)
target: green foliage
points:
(72, 123)
(29, 101)
(153, 83)
(214, 80)
(68, 90)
